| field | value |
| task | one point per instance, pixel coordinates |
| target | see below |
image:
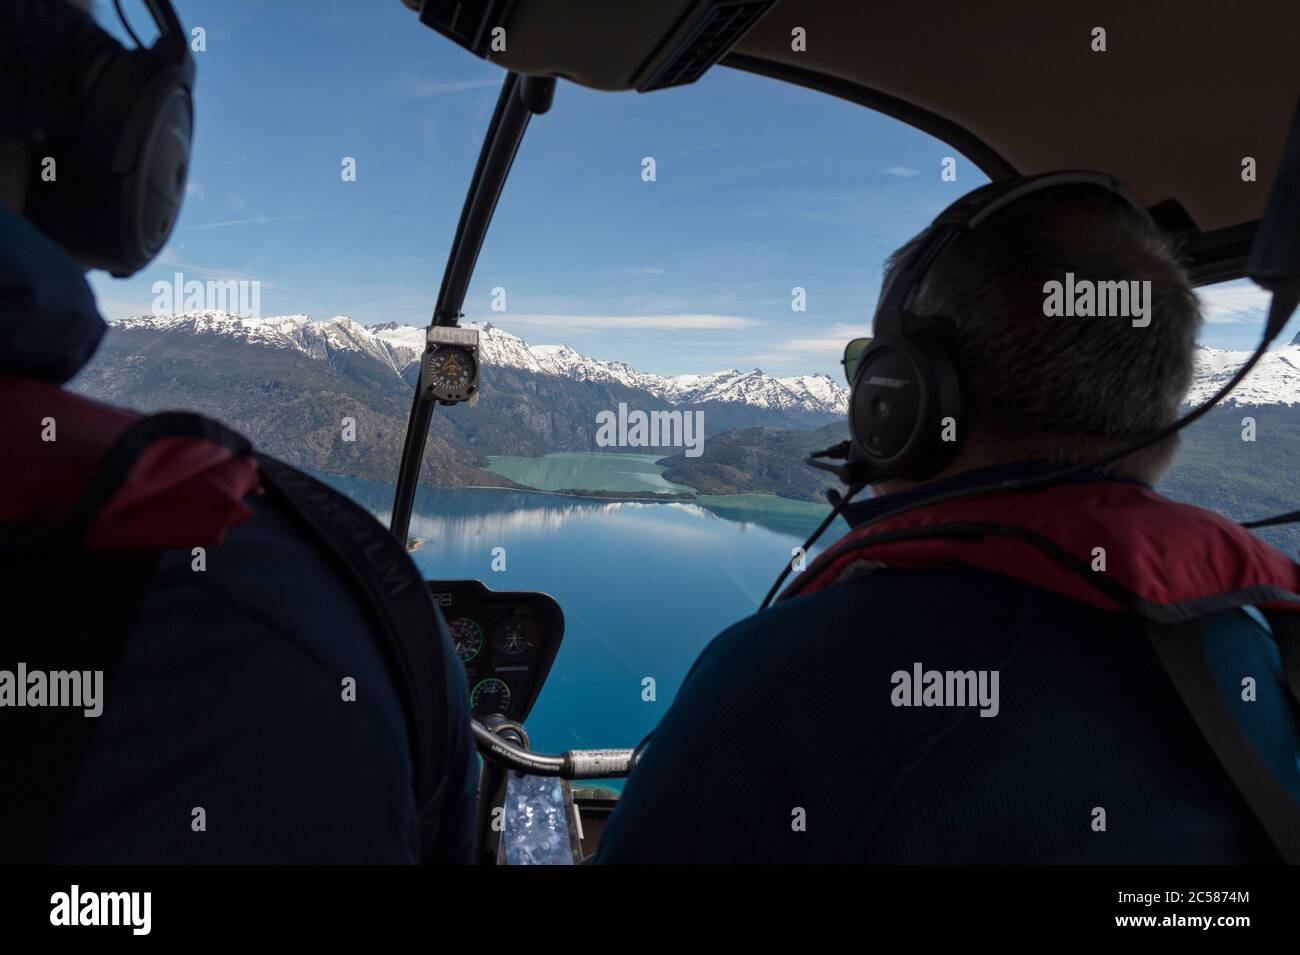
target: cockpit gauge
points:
(490, 696)
(515, 639)
(450, 369)
(506, 641)
(467, 636)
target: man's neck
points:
(970, 458)
(961, 481)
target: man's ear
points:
(15, 160)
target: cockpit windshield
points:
(662, 304)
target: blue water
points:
(644, 587)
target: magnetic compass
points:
(451, 367)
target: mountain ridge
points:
(291, 384)
(1276, 380)
(288, 382)
(399, 347)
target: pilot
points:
(251, 709)
(976, 700)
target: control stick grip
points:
(495, 745)
(598, 763)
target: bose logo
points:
(888, 382)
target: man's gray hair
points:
(1067, 389)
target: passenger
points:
(973, 702)
(248, 706)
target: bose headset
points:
(905, 388)
(122, 164)
(905, 385)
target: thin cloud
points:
(679, 322)
(827, 345)
(256, 220)
(429, 88)
(901, 171)
(169, 259)
(1234, 303)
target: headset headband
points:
(966, 213)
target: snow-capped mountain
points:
(399, 346)
(1274, 381)
(318, 340)
(815, 393)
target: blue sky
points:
(760, 187)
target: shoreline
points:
(590, 495)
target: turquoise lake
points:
(612, 472)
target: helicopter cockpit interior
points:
(1184, 112)
(1028, 114)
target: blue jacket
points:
(228, 697)
(783, 744)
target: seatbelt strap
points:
(1286, 634)
(397, 600)
(1182, 654)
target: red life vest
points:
(1115, 545)
(179, 492)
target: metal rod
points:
(519, 99)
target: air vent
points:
(718, 28)
(467, 23)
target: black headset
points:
(905, 402)
(123, 163)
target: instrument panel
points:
(506, 640)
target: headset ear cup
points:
(151, 187)
(121, 178)
(905, 409)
